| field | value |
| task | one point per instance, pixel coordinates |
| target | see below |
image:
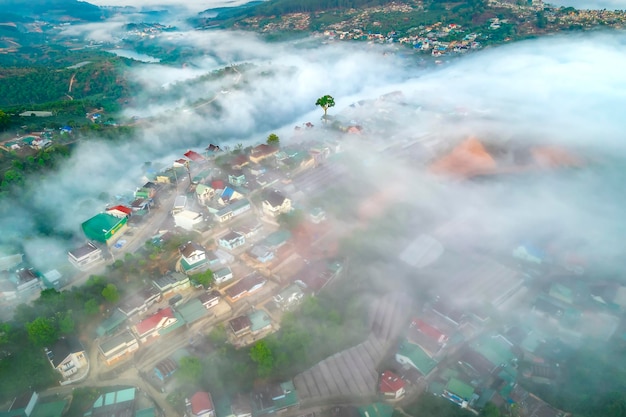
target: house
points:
(261, 152)
(67, 356)
(149, 328)
(212, 259)
(237, 178)
(194, 156)
(261, 254)
(277, 239)
(275, 204)
(104, 227)
(192, 311)
(165, 369)
(118, 347)
(222, 275)
(458, 392)
(449, 313)
(140, 301)
(210, 298)
(239, 162)
(117, 403)
(187, 219)
(289, 298)
(428, 337)
(240, 325)
(245, 286)
(52, 279)
(391, 385)
(30, 405)
(86, 257)
(26, 280)
(119, 211)
(204, 193)
(260, 322)
(410, 355)
(193, 257)
(234, 209)
(111, 324)
(250, 230)
(171, 283)
(232, 240)
(201, 405)
(272, 398)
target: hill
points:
(50, 10)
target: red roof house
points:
(429, 330)
(194, 156)
(391, 385)
(119, 211)
(202, 405)
(150, 326)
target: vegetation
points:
(273, 140)
(325, 102)
(204, 278)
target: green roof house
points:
(409, 354)
(458, 392)
(104, 227)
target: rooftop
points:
(418, 357)
(460, 389)
(259, 320)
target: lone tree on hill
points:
(325, 103)
(273, 140)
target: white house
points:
(275, 203)
(86, 257)
(187, 219)
(232, 240)
(67, 356)
(194, 257)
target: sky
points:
(556, 90)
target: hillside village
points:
(255, 243)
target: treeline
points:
(40, 85)
(23, 364)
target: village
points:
(267, 244)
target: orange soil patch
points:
(469, 158)
(553, 157)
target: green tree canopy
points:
(261, 354)
(5, 120)
(325, 102)
(66, 323)
(42, 331)
(204, 278)
(190, 370)
(111, 294)
(273, 140)
(91, 307)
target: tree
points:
(42, 331)
(190, 370)
(110, 293)
(325, 102)
(5, 120)
(490, 410)
(91, 307)
(273, 140)
(66, 323)
(204, 278)
(261, 354)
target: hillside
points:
(37, 85)
(50, 10)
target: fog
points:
(568, 91)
